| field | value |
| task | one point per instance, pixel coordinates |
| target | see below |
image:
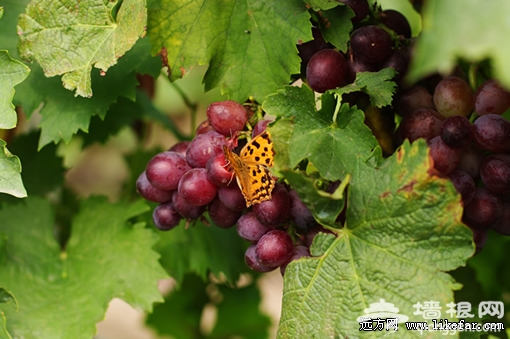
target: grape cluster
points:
(469, 142)
(194, 177)
(372, 48)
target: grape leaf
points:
(250, 45)
(64, 293)
(336, 141)
(377, 85)
(336, 26)
(1, 12)
(403, 230)
(10, 169)
(9, 36)
(202, 249)
(63, 114)
(472, 40)
(12, 72)
(83, 34)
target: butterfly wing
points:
(259, 150)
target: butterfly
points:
(251, 168)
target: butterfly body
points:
(251, 168)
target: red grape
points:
(180, 148)
(453, 96)
(445, 158)
(495, 173)
(327, 69)
(276, 210)
(274, 248)
(464, 184)
(218, 172)
(221, 215)
(396, 22)
(204, 147)
(470, 161)
(259, 127)
(414, 98)
(371, 43)
(165, 217)
(232, 197)
(195, 188)
(456, 131)
(151, 192)
(422, 123)
(484, 210)
(165, 170)
(492, 133)
(249, 228)
(491, 98)
(298, 252)
(184, 209)
(250, 258)
(300, 214)
(227, 116)
(204, 127)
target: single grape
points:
(250, 258)
(360, 8)
(471, 159)
(151, 192)
(422, 123)
(464, 184)
(371, 43)
(327, 69)
(484, 210)
(184, 209)
(414, 98)
(299, 251)
(492, 133)
(232, 197)
(221, 215)
(300, 214)
(227, 116)
(491, 98)
(180, 148)
(355, 66)
(259, 128)
(503, 225)
(453, 96)
(495, 173)
(396, 22)
(249, 228)
(313, 232)
(399, 61)
(217, 171)
(204, 147)
(276, 210)
(308, 49)
(445, 159)
(195, 188)
(165, 216)
(204, 127)
(274, 248)
(165, 170)
(456, 131)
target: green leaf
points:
(10, 177)
(201, 249)
(180, 315)
(1, 12)
(82, 35)
(377, 85)
(445, 38)
(335, 143)
(12, 72)
(336, 26)
(403, 230)
(317, 5)
(250, 45)
(63, 114)
(105, 253)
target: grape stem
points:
(192, 106)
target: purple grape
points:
(180, 148)
(184, 209)
(165, 170)
(456, 131)
(464, 184)
(250, 258)
(444, 157)
(470, 161)
(274, 248)
(414, 98)
(165, 217)
(308, 49)
(399, 61)
(396, 22)
(195, 188)
(151, 192)
(249, 228)
(232, 197)
(327, 69)
(217, 171)
(221, 215)
(360, 8)
(491, 98)
(298, 252)
(453, 96)
(227, 116)
(371, 43)
(484, 210)
(276, 210)
(355, 66)
(492, 133)
(422, 123)
(204, 147)
(300, 214)
(495, 173)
